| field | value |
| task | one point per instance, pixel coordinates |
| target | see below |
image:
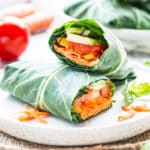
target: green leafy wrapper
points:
(113, 13)
(112, 63)
(50, 87)
(141, 4)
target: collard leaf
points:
(113, 13)
(142, 4)
(50, 87)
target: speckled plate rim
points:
(74, 136)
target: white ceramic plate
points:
(100, 129)
(134, 40)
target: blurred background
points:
(45, 15)
(45, 5)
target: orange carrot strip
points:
(43, 114)
(132, 111)
(130, 115)
(38, 21)
(125, 108)
(26, 106)
(142, 108)
(41, 120)
(24, 117)
(32, 114)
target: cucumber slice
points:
(81, 39)
(86, 32)
(74, 30)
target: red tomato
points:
(87, 49)
(91, 95)
(14, 38)
(105, 91)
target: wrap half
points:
(86, 45)
(142, 4)
(57, 88)
(113, 13)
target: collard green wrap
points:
(142, 4)
(112, 63)
(50, 87)
(113, 13)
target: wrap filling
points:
(93, 99)
(80, 46)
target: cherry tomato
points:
(87, 49)
(14, 38)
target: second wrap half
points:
(86, 45)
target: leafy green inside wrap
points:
(134, 91)
(96, 31)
